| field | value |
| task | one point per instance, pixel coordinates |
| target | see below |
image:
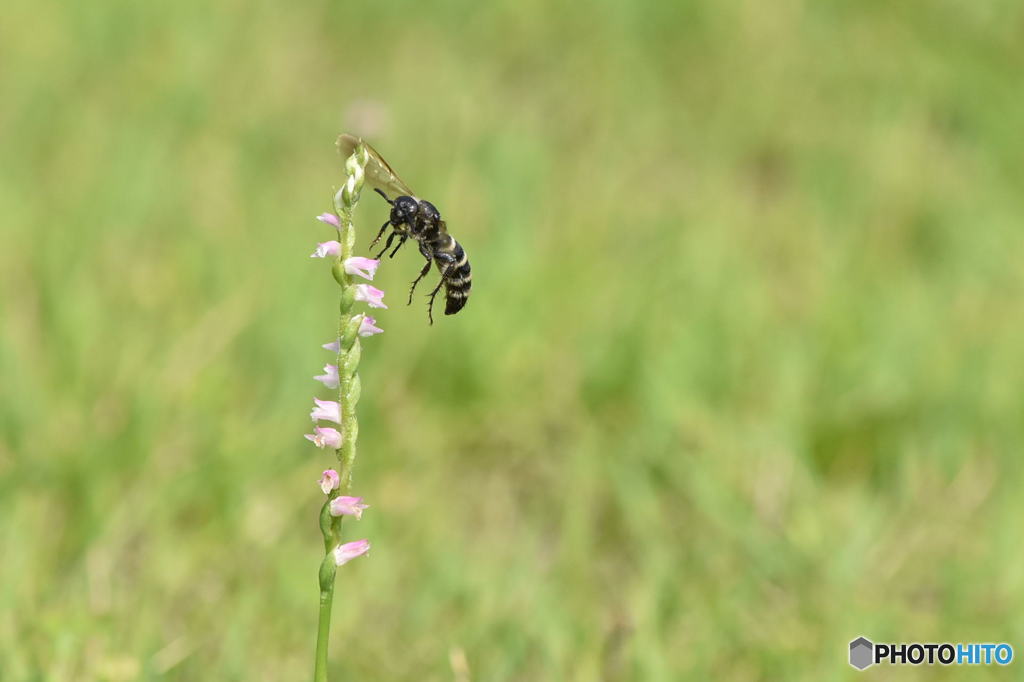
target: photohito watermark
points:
(864, 653)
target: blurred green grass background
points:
(740, 379)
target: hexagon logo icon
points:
(862, 653)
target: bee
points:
(419, 219)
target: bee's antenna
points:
(378, 191)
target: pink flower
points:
(330, 219)
(329, 481)
(329, 410)
(325, 438)
(345, 505)
(364, 267)
(368, 327)
(325, 249)
(373, 296)
(350, 550)
(333, 346)
(330, 376)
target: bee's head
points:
(404, 210)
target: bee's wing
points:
(378, 172)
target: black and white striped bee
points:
(419, 219)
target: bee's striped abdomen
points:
(458, 281)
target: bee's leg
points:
(448, 260)
(400, 242)
(375, 189)
(433, 294)
(381, 233)
(387, 244)
(423, 273)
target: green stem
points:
(348, 395)
(323, 630)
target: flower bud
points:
(329, 218)
(325, 437)
(327, 249)
(364, 267)
(330, 376)
(368, 327)
(329, 481)
(329, 410)
(373, 296)
(349, 551)
(344, 505)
